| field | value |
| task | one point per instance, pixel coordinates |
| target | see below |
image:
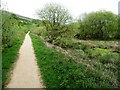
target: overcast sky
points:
(28, 8)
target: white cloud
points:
(76, 7)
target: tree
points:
(99, 25)
(54, 18)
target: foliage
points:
(8, 34)
(54, 18)
(102, 60)
(99, 25)
(61, 71)
(39, 30)
(11, 28)
(55, 14)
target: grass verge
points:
(60, 71)
(9, 56)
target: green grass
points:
(60, 71)
(9, 56)
(112, 45)
(102, 60)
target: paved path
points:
(26, 72)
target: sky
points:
(29, 8)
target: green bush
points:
(11, 29)
(101, 25)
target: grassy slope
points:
(102, 60)
(101, 55)
(60, 71)
(9, 56)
